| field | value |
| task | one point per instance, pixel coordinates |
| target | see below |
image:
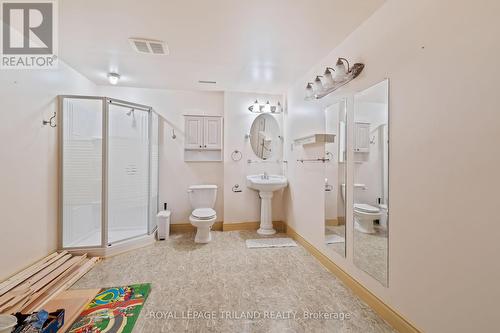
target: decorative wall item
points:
(332, 79)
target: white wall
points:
(441, 59)
(175, 174)
(28, 182)
(245, 206)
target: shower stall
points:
(108, 169)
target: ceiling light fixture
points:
(113, 78)
(342, 74)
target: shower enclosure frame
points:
(106, 248)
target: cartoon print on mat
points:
(113, 310)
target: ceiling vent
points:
(149, 46)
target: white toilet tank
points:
(202, 196)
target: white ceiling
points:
(244, 45)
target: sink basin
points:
(266, 185)
(270, 183)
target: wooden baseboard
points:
(396, 320)
(280, 226)
(332, 222)
(188, 227)
(335, 222)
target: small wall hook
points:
(173, 134)
(51, 122)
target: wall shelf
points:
(315, 139)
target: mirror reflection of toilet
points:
(364, 214)
(202, 199)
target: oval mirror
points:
(264, 136)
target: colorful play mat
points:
(113, 310)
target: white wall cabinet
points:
(361, 137)
(203, 138)
(194, 132)
(212, 133)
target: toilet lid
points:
(204, 213)
(366, 208)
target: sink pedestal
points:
(266, 214)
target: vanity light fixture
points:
(255, 107)
(266, 108)
(340, 70)
(318, 85)
(328, 77)
(113, 78)
(309, 91)
(333, 78)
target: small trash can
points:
(7, 323)
(163, 219)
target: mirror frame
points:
(278, 135)
(351, 187)
(341, 100)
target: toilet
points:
(202, 199)
(364, 214)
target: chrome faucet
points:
(265, 175)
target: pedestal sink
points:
(266, 185)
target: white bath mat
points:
(334, 238)
(270, 242)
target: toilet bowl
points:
(364, 215)
(202, 199)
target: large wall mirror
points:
(371, 181)
(335, 177)
(265, 136)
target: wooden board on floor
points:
(30, 271)
(73, 302)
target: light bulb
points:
(318, 85)
(328, 77)
(278, 108)
(267, 107)
(340, 71)
(256, 106)
(113, 78)
(309, 90)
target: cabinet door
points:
(362, 137)
(213, 133)
(194, 133)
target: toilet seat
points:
(203, 213)
(366, 208)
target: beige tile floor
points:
(371, 253)
(225, 276)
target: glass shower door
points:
(155, 156)
(81, 167)
(128, 172)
